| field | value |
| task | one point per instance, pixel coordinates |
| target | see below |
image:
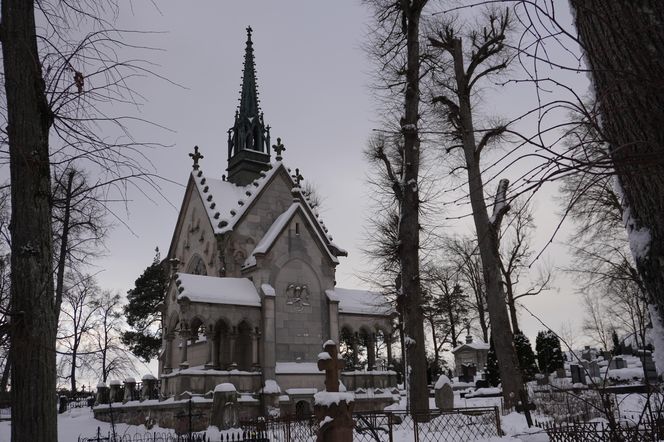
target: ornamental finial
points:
(196, 155)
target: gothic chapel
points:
(252, 296)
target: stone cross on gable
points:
(196, 156)
(298, 177)
(332, 366)
(278, 148)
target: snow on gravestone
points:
(444, 396)
(224, 407)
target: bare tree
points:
(488, 55)
(78, 312)
(463, 252)
(515, 259)
(396, 45)
(110, 357)
(597, 323)
(624, 49)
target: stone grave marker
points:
(578, 374)
(129, 390)
(102, 394)
(115, 393)
(593, 369)
(224, 407)
(443, 394)
(620, 363)
(468, 373)
(561, 372)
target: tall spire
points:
(249, 138)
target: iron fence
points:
(458, 424)
(603, 432)
(154, 436)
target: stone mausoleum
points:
(253, 295)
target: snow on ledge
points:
(327, 398)
(215, 290)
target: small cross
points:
(249, 31)
(331, 367)
(298, 177)
(278, 148)
(196, 156)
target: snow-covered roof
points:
(275, 230)
(215, 290)
(359, 302)
(226, 202)
(475, 345)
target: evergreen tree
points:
(617, 347)
(524, 352)
(549, 355)
(142, 313)
(492, 371)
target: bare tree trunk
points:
(409, 224)
(5, 375)
(33, 320)
(624, 47)
(488, 239)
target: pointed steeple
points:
(249, 138)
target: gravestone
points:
(468, 373)
(617, 363)
(648, 366)
(102, 394)
(333, 408)
(129, 390)
(593, 369)
(115, 394)
(148, 387)
(561, 372)
(443, 394)
(578, 374)
(224, 407)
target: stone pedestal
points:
(102, 394)
(224, 407)
(148, 387)
(115, 393)
(443, 394)
(129, 390)
(271, 392)
(333, 409)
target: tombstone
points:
(333, 408)
(443, 394)
(578, 374)
(468, 373)
(587, 353)
(224, 407)
(148, 387)
(620, 363)
(271, 392)
(129, 390)
(115, 393)
(649, 368)
(593, 369)
(561, 372)
(62, 404)
(102, 394)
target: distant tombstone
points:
(649, 367)
(586, 353)
(62, 404)
(102, 394)
(129, 390)
(593, 369)
(148, 387)
(443, 394)
(561, 373)
(578, 374)
(620, 363)
(607, 355)
(468, 373)
(115, 393)
(224, 407)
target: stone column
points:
(371, 351)
(115, 390)
(388, 344)
(269, 338)
(168, 353)
(184, 335)
(102, 394)
(216, 342)
(334, 320)
(209, 337)
(356, 340)
(232, 338)
(255, 340)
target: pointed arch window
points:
(197, 266)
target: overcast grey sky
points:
(313, 82)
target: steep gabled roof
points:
(278, 226)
